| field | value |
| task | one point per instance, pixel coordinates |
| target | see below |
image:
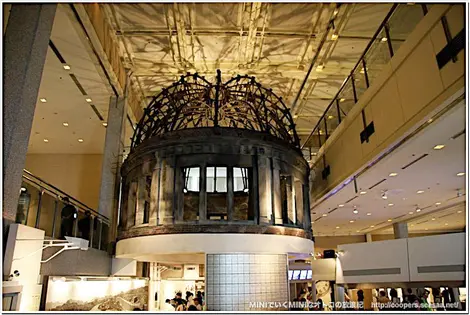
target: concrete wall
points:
(440, 257)
(385, 261)
(91, 262)
(428, 258)
(410, 89)
(78, 175)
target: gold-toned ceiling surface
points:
(275, 42)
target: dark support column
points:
(112, 160)
(230, 194)
(179, 197)
(400, 230)
(202, 194)
(277, 206)
(264, 185)
(255, 188)
(25, 47)
(155, 194)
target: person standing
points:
(68, 217)
(84, 226)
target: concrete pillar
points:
(167, 192)
(265, 191)
(25, 47)
(290, 200)
(400, 230)
(368, 237)
(202, 194)
(112, 158)
(229, 281)
(139, 213)
(299, 202)
(277, 191)
(131, 204)
(155, 194)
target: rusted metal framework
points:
(194, 102)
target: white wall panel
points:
(384, 261)
(439, 257)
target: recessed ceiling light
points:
(412, 225)
(342, 100)
(460, 211)
(363, 192)
(368, 213)
(430, 120)
(438, 203)
(355, 212)
(46, 140)
(357, 231)
(330, 117)
(105, 124)
(389, 220)
(65, 124)
(426, 229)
(390, 204)
(446, 224)
(337, 227)
(351, 221)
(419, 191)
(43, 100)
(296, 116)
(439, 147)
(340, 206)
(66, 67)
(88, 100)
(324, 215)
(334, 36)
(314, 154)
(461, 174)
(319, 68)
(411, 212)
(80, 140)
(393, 174)
(433, 219)
(372, 226)
(418, 210)
(384, 39)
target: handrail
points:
(53, 189)
(366, 50)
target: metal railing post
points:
(389, 40)
(38, 213)
(54, 221)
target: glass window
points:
(191, 179)
(46, 218)
(216, 187)
(242, 204)
(28, 205)
(216, 179)
(191, 193)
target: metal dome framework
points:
(194, 102)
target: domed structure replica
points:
(215, 176)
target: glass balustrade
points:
(43, 206)
(392, 33)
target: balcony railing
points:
(392, 32)
(40, 206)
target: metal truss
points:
(195, 102)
